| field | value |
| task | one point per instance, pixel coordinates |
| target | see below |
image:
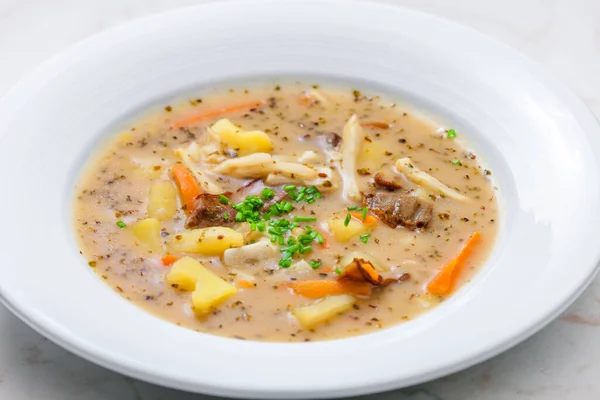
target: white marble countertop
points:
(560, 362)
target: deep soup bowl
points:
(541, 142)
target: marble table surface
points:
(560, 362)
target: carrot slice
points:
(369, 219)
(168, 260)
(321, 288)
(215, 113)
(245, 284)
(188, 186)
(380, 125)
(443, 283)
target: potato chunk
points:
(323, 310)
(162, 203)
(147, 231)
(343, 233)
(240, 141)
(210, 291)
(184, 273)
(207, 241)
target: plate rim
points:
(102, 359)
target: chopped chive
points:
(291, 241)
(291, 249)
(287, 255)
(261, 226)
(267, 193)
(223, 199)
(365, 237)
(308, 229)
(304, 237)
(300, 218)
(305, 249)
(285, 263)
(300, 197)
(451, 133)
(273, 238)
(353, 208)
(313, 234)
(364, 213)
(320, 239)
(253, 226)
(287, 207)
(274, 231)
(239, 217)
(310, 200)
(318, 195)
(225, 216)
(314, 264)
(121, 224)
(347, 220)
(281, 240)
(287, 188)
(302, 189)
(338, 271)
(455, 162)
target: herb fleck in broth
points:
(336, 238)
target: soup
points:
(285, 213)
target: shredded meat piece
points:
(209, 212)
(399, 209)
(381, 180)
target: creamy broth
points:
(301, 124)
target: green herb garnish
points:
(347, 220)
(451, 133)
(121, 224)
(223, 199)
(365, 237)
(267, 194)
(314, 264)
(299, 218)
(456, 162)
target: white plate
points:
(539, 140)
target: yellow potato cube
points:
(211, 290)
(184, 273)
(343, 233)
(323, 310)
(162, 203)
(147, 231)
(372, 155)
(207, 241)
(240, 141)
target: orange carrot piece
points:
(188, 186)
(443, 283)
(380, 125)
(168, 260)
(245, 284)
(369, 219)
(322, 288)
(215, 113)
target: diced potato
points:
(251, 253)
(210, 291)
(300, 266)
(240, 141)
(147, 231)
(343, 233)
(162, 203)
(372, 155)
(184, 273)
(207, 241)
(379, 266)
(323, 310)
